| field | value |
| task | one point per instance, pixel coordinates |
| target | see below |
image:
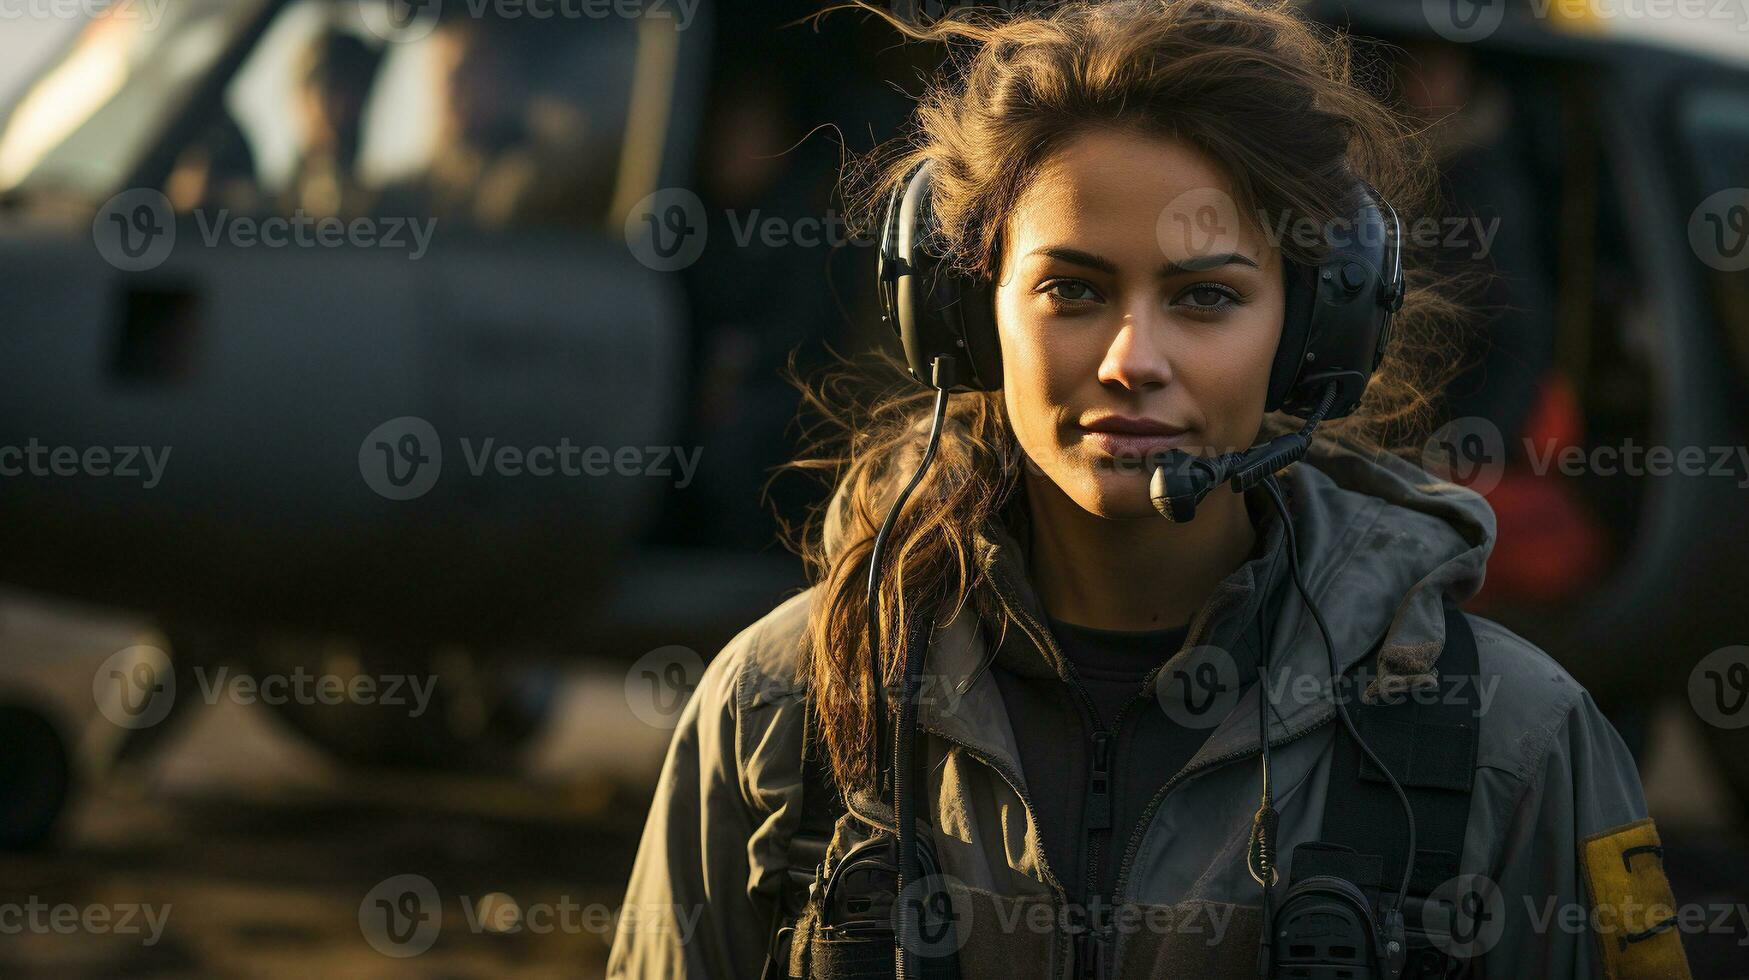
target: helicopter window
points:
(81, 126)
(481, 123)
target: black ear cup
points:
(1300, 289)
(1338, 315)
(934, 310)
(1335, 325)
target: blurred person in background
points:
(335, 76)
(508, 152)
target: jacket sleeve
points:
(701, 900)
(1567, 908)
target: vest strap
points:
(821, 808)
(1428, 741)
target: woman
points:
(1121, 186)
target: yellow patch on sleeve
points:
(1633, 910)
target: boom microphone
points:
(1181, 480)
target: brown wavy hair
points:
(1272, 98)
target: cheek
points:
(1038, 373)
(1229, 373)
(1022, 388)
(1235, 366)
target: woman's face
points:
(1131, 297)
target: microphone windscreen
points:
(1177, 485)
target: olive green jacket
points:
(1380, 542)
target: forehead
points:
(1135, 199)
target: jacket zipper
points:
(1135, 841)
(1090, 945)
(1096, 827)
(1090, 954)
(1081, 958)
(1085, 960)
(1087, 948)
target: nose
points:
(1135, 358)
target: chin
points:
(1116, 495)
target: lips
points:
(1119, 435)
(1125, 425)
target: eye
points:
(1069, 291)
(1211, 297)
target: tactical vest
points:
(1428, 742)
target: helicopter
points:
(490, 402)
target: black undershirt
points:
(1054, 743)
(1113, 663)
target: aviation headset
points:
(1336, 325)
(1337, 322)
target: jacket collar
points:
(1380, 543)
(1033, 652)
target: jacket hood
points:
(1381, 542)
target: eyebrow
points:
(1198, 264)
